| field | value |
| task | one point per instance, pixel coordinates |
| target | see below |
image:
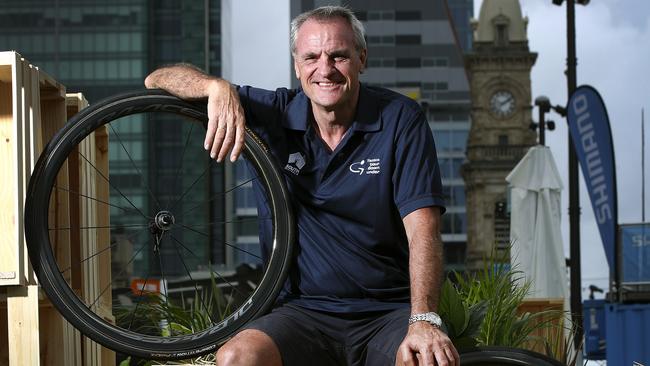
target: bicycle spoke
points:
(128, 237)
(190, 276)
(94, 199)
(142, 181)
(224, 222)
(137, 305)
(223, 193)
(162, 273)
(189, 189)
(97, 227)
(215, 272)
(111, 184)
(225, 242)
(110, 284)
(180, 165)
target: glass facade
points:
(102, 48)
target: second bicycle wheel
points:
(144, 243)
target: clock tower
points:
(499, 72)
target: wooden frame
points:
(33, 107)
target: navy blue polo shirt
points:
(352, 250)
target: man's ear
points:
(296, 69)
(363, 57)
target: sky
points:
(613, 50)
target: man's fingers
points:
(209, 134)
(441, 358)
(228, 141)
(240, 138)
(452, 354)
(219, 135)
(405, 356)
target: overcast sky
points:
(613, 49)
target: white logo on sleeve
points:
(366, 166)
(295, 162)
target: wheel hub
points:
(164, 220)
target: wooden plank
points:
(91, 292)
(11, 183)
(95, 276)
(23, 327)
(553, 332)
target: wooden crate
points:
(33, 107)
(555, 332)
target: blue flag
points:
(592, 139)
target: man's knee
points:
(249, 347)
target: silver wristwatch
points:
(432, 318)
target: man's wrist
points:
(429, 317)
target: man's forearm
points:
(185, 81)
(425, 259)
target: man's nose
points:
(325, 66)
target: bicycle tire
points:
(41, 238)
(504, 356)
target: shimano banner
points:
(592, 139)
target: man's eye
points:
(340, 58)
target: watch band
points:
(430, 317)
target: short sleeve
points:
(416, 177)
(264, 108)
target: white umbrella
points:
(537, 248)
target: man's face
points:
(327, 63)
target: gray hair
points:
(325, 13)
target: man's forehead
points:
(333, 30)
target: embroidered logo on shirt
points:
(295, 163)
(366, 166)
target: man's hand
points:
(226, 124)
(426, 345)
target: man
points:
(362, 169)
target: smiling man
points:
(362, 170)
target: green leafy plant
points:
(461, 320)
(157, 315)
(483, 309)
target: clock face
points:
(502, 104)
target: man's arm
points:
(424, 343)
(226, 124)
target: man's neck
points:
(332, 125)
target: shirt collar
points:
(367, 119)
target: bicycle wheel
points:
(144, 243)
(502, 356)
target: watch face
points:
(502, 104)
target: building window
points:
(361, 15)
(503, 140)
(408, 39)
(435, 62)
(501, 34)
(454, 223)
(450, 167)
(381, 15)
(408, 15)
(408, 62)
(381, 40)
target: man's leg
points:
(250, 347)
(289, 336)
(373, 339)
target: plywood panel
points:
(12, 254)
(23, 328)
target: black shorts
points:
(309, 337)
